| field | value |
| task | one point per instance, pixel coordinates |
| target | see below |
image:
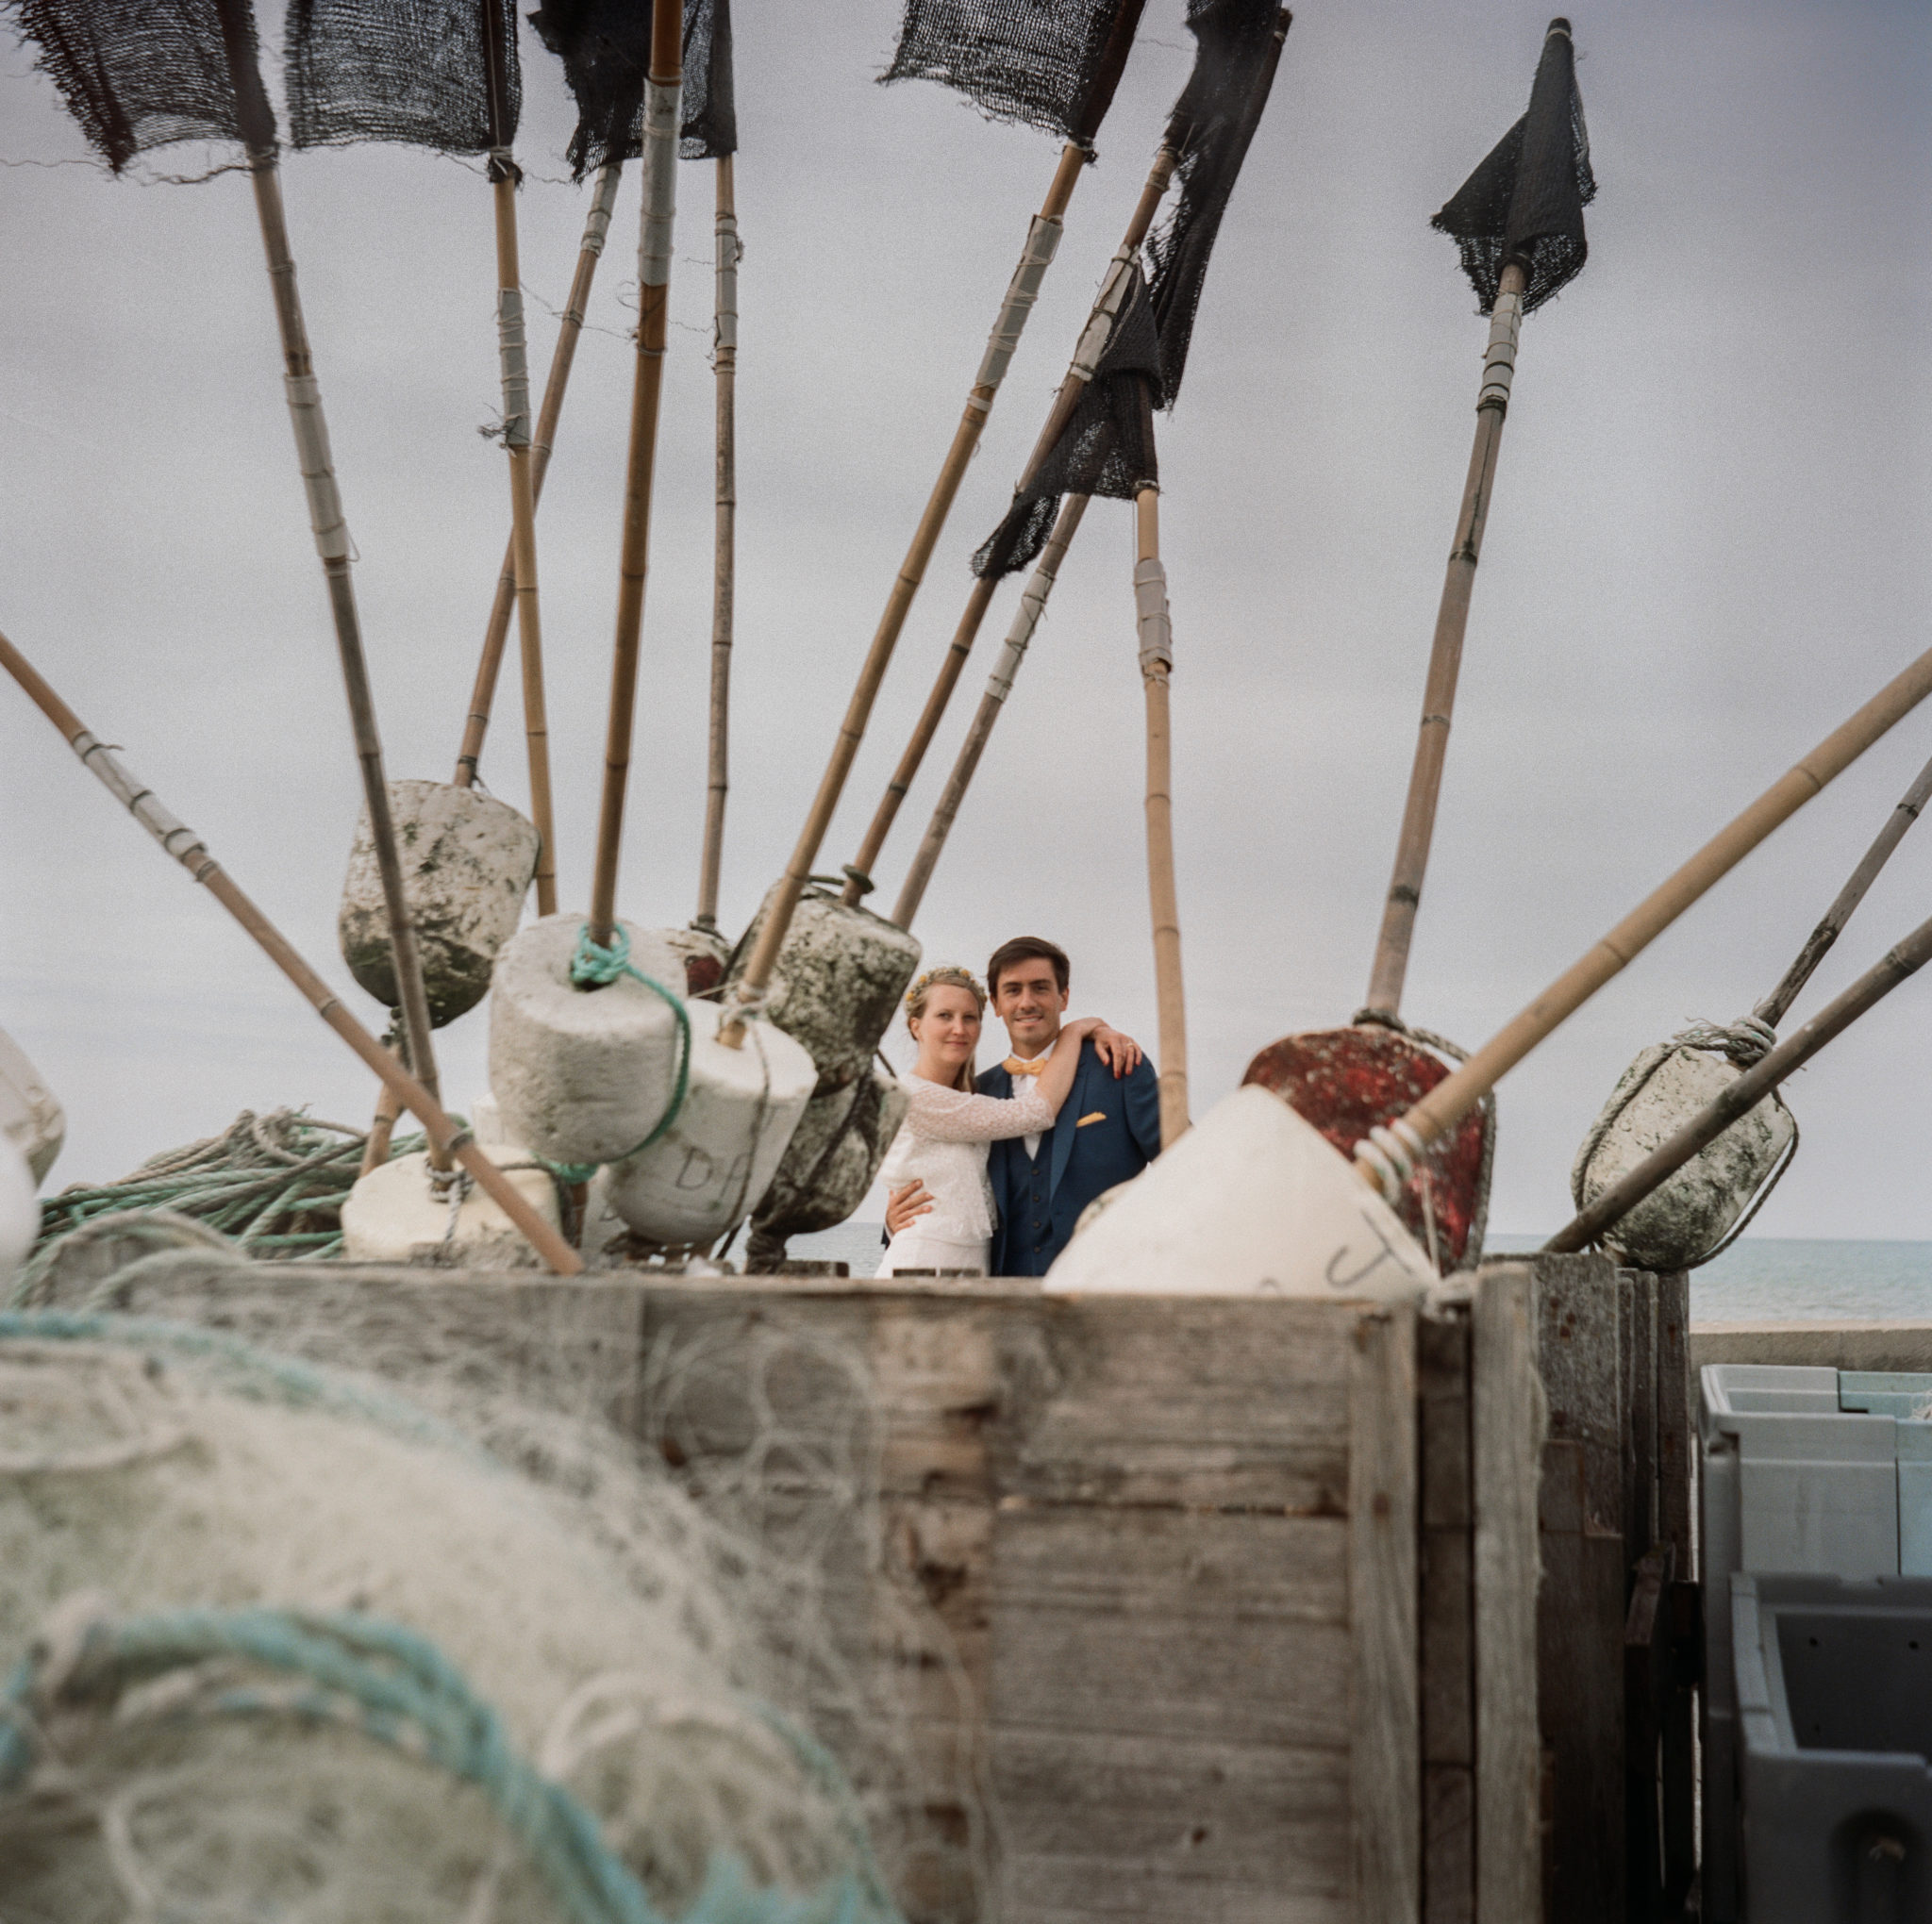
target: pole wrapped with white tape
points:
(514, 353)
(597, 222)
(1022, 291)
(660, 182)
(1150, 607)
(1499, 357)
(318, 467)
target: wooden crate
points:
(1240, 1609)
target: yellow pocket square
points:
(1098, 1116)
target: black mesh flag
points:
(1526, 202)
(605, 49)
(708, 125)
(1237, 48)
(1052, 64)
(420, 72)
(143, 73)
(1107, 447)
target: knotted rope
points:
(596, 964)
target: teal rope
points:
(592, 966)
(400, 1682)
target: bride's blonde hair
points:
(920, 992)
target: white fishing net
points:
(203, 1547)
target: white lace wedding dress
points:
(943, 1142)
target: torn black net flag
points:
(605, 49)
(709, 117)
(415, 71)
(1236, 51)
(1052, 64)
(1107, 446)
(1526, 202)
(138, 75)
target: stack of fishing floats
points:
(834, 989)
(598, 1060)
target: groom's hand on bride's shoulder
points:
(1120, 1053)
(903, 1206)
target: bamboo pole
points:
(512, 351)
(1156, 664)
(1446, 652)
(1093, 340)
(999, 686)
(1380, 1161)
(1745, 1094)
(1042, 242)
(724, 586)
(661, 96)
(331, 535)
(1772, 1009)
(192, 853)
(590, 251)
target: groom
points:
(1108, 1131)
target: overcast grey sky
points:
(1708, 544)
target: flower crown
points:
(961, 978)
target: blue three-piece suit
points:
(1107, 1132)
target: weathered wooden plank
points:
(1507, 1428)
(1677, 1455)
(1385, 1759)
(1250, 1813)
(1577, 1338)
(1117, 1399)
(1447, 1628)
(1637, 1317)
(1098, 1890)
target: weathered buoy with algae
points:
(467, 863)
(1252, 1200)
(400, 1213)
(836, 988)
(712, 1166)
(1688, 1216)
(30, 1116)
(583, 1075)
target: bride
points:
(943, 1140)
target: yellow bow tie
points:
(1018, 1065)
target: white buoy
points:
(396, 1214)
(467, 863)
(711, 1169)
(20, 1215)
(30, 1116)
(581, 1075)
(1682, 1222)
(1250, 1202)
(836, 988)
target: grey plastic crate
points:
(1834, 1694)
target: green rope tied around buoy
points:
(593, 966)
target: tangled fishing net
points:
(281, 1641)
(1052, 64)
(138, 76)
(269, 1186)
(1525, 201)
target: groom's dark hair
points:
(1028, 948)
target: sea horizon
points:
(1768, 1279)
